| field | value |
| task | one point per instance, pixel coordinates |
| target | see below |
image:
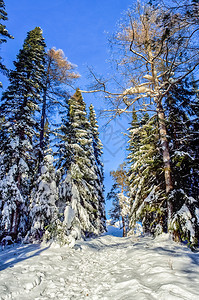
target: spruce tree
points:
(115, 211)
(19, 104)
(3, 33)
(182, 108)
(146, 179)
(78, 196)
(44, 196)
(97, 146)
(119, 196)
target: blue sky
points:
(81, 29)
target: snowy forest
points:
(51, 166)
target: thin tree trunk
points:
(124, 228)
(123, 221)
(15, 221)
(166, 160)
(164, 142)
(15, 217)
(163, 138)
(43, 119)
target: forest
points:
(52, 173)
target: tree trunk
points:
(43, 119)
(124, 228)
(166, 160)
(15, 221)
(163, 141)
(15, 216)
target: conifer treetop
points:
(4, 34)
(94, 129)
(26, 79)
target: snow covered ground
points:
(107, 267)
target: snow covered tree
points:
(3, 32)
(19, 104)
(115, 211)
(97, 146)
(146, 180)
(121, 207)
(181, 109)
(156, 49)
(44, 196)
(78, 196)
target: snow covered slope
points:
(107, 267)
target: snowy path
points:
(104, 268)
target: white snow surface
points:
(107, 267)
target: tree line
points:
(157, 64)
(51, 174)
(156, 55)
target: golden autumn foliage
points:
(60, 70)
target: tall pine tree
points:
(44, 197)
(181, 108)
(118, 194)
(146, 178)
(97, 146)
(18, 107)
(77, 165)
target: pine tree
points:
(115, 211)
(44, 196)
(3, 33)
(181, 109)
(118, 193)
(146, 179)
(19, 104)
(97, 146)
(78, 196)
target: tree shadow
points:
(187, 267)
(10, 256)
(168, 252)
(178, 251)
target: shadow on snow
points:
(10, 256)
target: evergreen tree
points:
(115, 211)
(3, 32)
(78, 196)
(44, 196)
(97, 146)
(146, 179)
(182, 109)
(119, 195)
(19, 104)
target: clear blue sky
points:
(79, 28)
